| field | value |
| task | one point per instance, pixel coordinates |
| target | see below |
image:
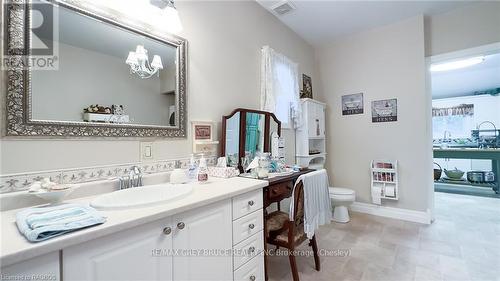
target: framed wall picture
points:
(307, 91)
(352, 104)
(385, 110)
(202, 131)
(204, 139)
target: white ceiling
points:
(320, 22)
(466, 81)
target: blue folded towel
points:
(43, 223)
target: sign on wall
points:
(385, 110)
(352, 104)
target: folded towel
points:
(42, 217)
(317, 204)
(38, 224)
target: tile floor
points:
(462, 244)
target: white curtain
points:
(280, 87)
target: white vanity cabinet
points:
(44, 267)
(221, 241)
(140, 253)
(202, 240)
(248, 237)
(194, 245)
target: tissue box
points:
(223, 172)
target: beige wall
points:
(387, 62)
(467, 27)
(223, 73)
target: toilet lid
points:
(341, 191)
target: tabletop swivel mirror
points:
(246, 133)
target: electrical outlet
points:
(147, 151)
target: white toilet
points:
(342, 198)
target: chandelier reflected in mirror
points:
(140, 65)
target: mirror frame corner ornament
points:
(18, 112)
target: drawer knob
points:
(250, 203)
(251, 250)
(251, 226)
(181, 225)
(252, 277)
(167, 230)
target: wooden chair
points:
(286, 233)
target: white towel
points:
(317, 203)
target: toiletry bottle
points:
(193, 169)
(203, 170)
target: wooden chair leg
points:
(314, 245)
(293, 265)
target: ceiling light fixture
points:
(169, 16)
(173, 22)
(139, 63)
(445, 66)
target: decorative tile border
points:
(19, 182)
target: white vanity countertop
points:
(15, 248)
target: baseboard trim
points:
(391, 212)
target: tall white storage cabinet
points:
(311, 136)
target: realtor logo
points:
(43, 28)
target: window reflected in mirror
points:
(254, 142)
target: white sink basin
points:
(143, 196)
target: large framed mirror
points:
(246, 133)
(109, 78)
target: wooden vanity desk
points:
(280, 188)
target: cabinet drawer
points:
(251, 271)
(247, 203)
(248, 249)
(247, 226)
(278, 192)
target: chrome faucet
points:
(133, 179)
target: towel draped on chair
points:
(317, 203)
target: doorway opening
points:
(465, 88)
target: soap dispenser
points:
(178, 175)
(203, 170)
(193, 169)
